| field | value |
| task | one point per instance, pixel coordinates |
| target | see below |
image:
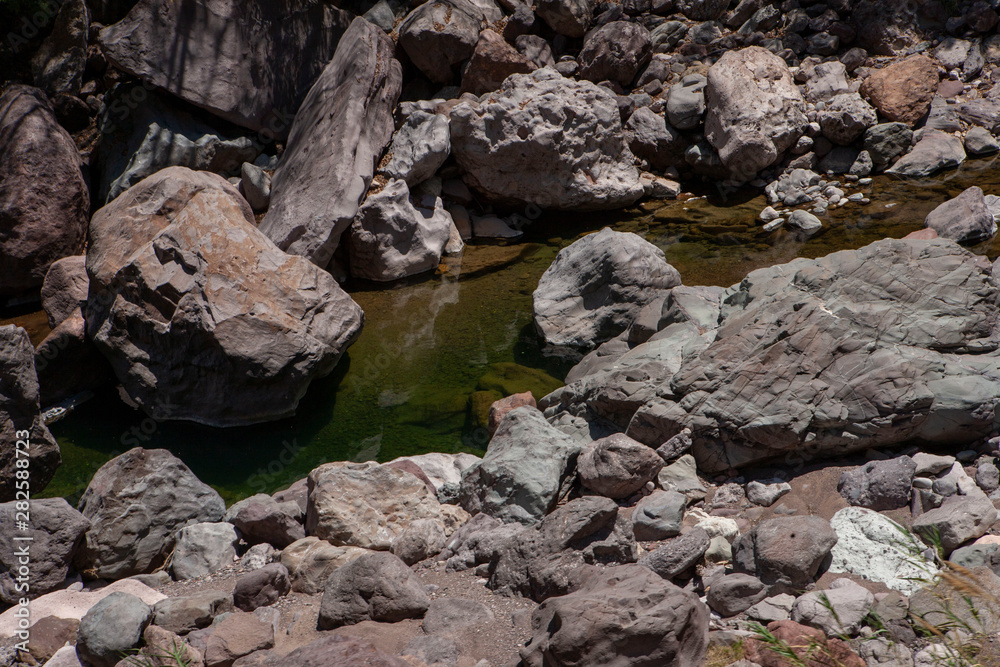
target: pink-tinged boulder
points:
(44, 202)
(903, 91)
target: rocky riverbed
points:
(476, 332)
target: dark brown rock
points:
(903, 91)
(492, 62)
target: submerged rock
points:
(200, 315)
(534, 161)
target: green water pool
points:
(435, 350)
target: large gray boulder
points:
(958, 520)
(551, 557)
(179, 272)
(616, 51)
(596, 286)
(418, 148)
(369, 505)
(375, 586)
(651, 139)
(785, 552)
(203, 548)
(250, 62)
(965, 218)
(21, 425)
(935, 151)
(755, 110)
(110, 628)
(835, 366)
(879, 485)
(666, 625)
(845, 118)
(686, 102)
(155, 136)
(523, 471)
(44, 201)
(439, 35)
(136, 503)
(887, 141)
(533, 160)
(338, 135)
(55, 530)
(659, 515)
(393, 236)
(567, 17)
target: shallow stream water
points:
(436, 351)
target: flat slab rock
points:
(862, 348)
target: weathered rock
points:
(262, 521)
(184, 613)
(965, 218)
(805, 221)
(887, 141)
(500, 408)
(682, 476)
(766, 495)
(55, 530)
(879, 485)
(418, 148)
(617, 466)
(374, 586)
(255, 186)
(755, 110)
(929, 464)
(449, 616)
(534, 162)
(882, 652)
(438, 35)
(492, 62)
(163, 648)
(845, 118)
(64, 290)
(567, 17)
(44, 202)
(774, 608)
(827, 80)
(49, 635)
(585, 628)
(551, 558)
(734, 593)
(237, 635)
(338, 650)
(811, 320)
(678, 555)
(58, 65)
(903, 90)
(220, 288)
(658, 516)
(251, 63)
(596, 286)
(203, 548)
(67, 363)
(422, 539)
(652, 140)
(346, 121)
(520, 476)
(838, 611)
(112, 626)
(942, 605)
(441, 468)
(368, 505)
(136, 502)
(311, 561)
(805, 643)
(617, 51)
(393, 237)
(959, 520)
(261, 587)
(686, 102)
(21, 419)
(785, 552)
(703, 10)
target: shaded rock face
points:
(58, 65)
(339, 133)
(666, 625)
(393, 237)
(552, 557)
(136, 502)
(439, 35)
(20, 416)
(65, 288)
(44, 202)
(523, 471)
(56, 529)
(492, 62)
(375, 586)
(755, 110)
(616, 51)
(596, 287)
(419, 148)
(566, 17)
(805, 363)
(902, 92)
(536, 162)
(250, 62)
(201, 317)
(369, 505)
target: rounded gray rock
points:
(111, 627)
